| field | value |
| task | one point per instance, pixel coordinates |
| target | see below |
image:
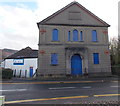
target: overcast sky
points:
(18, 18)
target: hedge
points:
(7, 73)
(115, 70)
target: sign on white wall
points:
(18, 61)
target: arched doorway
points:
(76, 65)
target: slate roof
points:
(24, 53)
(43, 22)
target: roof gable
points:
(24, 53)
(74, 14)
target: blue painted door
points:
(31, 71)
(76, 65)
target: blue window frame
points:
(18, 61)
(55, 35)
(81, 36)
(69, 36)
(96, 58)
(54, 59)
(94, 36)
(75, 35)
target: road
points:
(68, 92)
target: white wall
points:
(30, 62)
(2, 64)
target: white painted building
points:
(23, 63)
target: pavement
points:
(77, 91)
(14, 79)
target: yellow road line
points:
(32, 83)
(84, 82)
(33, 100)
(57, 98)
(54, 82)
(114, 81)
(106, 95)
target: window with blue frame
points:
(75, 35)
(69, 36)
(55, 35)
(94, 36)
(81, 36)
(54, 59)
(18, 61)
(96, 58)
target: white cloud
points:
(18, 27)
(17, 1)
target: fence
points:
(22, 73)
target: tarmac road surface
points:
(65, 92)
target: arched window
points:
(55, 35)
(94, 36)
(75, 35)
(69, 36)
(81, 36)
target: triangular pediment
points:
(74, 14)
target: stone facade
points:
(64, 21)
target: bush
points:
(7, 73)
(116, 70)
